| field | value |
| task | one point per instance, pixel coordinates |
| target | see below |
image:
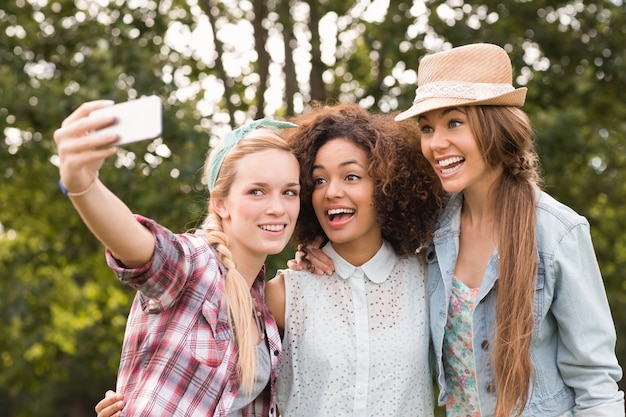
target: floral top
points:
(573, 342)
(459, 354)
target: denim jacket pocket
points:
(211, 336)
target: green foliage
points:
(62, 311)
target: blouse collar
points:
(377, 269)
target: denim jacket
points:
(573, 342)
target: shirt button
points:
(485, 344)
(276, 352)
(491, 388)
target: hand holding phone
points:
(136, 120)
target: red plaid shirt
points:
(179, 354)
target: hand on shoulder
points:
(313, 259)
(111, 405)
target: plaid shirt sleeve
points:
(179, 355)
(162, 279)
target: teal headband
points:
(233, 138)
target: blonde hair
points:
(236, 290)
(505, 138)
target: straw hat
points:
(470, 75)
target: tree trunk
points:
(263, 61)
(208, 6)
(291, 83)
(318, 92)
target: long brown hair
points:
(505, 138)
(236, 290)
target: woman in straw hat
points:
(520, 322)
(199, 340)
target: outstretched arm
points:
(82, 151)
(275, 299)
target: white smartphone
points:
(136, 120)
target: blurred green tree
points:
(217, 64)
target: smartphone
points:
(136, 120)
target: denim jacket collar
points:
(446, 246)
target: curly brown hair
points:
(407, 196)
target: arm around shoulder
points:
(275, 298)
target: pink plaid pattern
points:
(179, 354)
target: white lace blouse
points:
(356, 343)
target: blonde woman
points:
(199, 338)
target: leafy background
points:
(217, 64)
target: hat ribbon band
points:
(461, 90)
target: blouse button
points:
(485, 344)
(491, 388)
(276, 352)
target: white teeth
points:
(339, 211)
(273, 227)
(450, 170)
(452, 160)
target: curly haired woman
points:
(356, 342)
